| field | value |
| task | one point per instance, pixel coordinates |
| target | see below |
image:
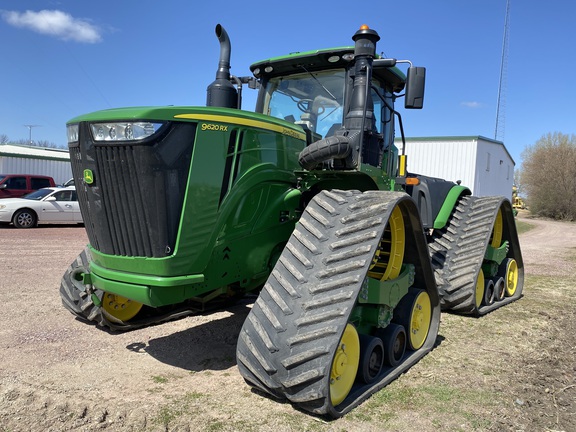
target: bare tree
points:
(4, 139)
(548, 176)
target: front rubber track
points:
(457, 252)
(288, 341)
(79, 299)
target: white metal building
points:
(482, 164)
(17, 159)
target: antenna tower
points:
(501, 106)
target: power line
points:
(501, 105)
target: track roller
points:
(394, 341)
(489, 292)
(371, 358)
(348, 265)
(499, 288)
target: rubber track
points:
(77, 298)
(288, 341)
(457, 252)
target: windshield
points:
(38, 195)
(311, 99)
(315, 100)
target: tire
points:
(25, 218)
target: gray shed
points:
(482, 164)
(18, 159)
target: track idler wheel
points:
(118, 308)
(344, 365)
(414, 313)
(510, 271)
(479, 291)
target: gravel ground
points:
(58, 373)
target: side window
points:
(16, 183)
(63, 196)
(39, 183)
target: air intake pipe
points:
(345, 147)
(221, 92)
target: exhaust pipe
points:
(221, 92)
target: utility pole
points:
(501, 106)
(30, 126)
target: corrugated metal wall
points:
(21, 159)
(481, 164)
(60, 171)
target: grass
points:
(158, 379)
(176, 408)
(523, 227)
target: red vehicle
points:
(18, 185)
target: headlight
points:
(125, 131)
(72, 132)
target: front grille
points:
(133, 207)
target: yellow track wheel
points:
(345, 365)
(511, 277)
(387, 261)
(479, 289)
(497, 229)
(119, 307)
(419, 324)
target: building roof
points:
(31, 152)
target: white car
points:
(54, 205)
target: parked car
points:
(47, 205)
(18, 185)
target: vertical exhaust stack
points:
(361, 108)
(221, 92)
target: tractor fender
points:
(448, 206)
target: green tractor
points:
(305, 202)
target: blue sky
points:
(60, 59)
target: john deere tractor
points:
(305, 202)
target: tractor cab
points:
(313, 89)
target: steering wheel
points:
(304, 106)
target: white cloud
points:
(54, 23)
(472, 104)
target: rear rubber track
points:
(457, 252)
(288, 341)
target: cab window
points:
(311, 99)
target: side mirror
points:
(415, 80)
(3, 186)
(51, 198)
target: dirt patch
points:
(511, 370)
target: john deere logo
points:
(88, 176)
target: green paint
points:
(449, 203)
